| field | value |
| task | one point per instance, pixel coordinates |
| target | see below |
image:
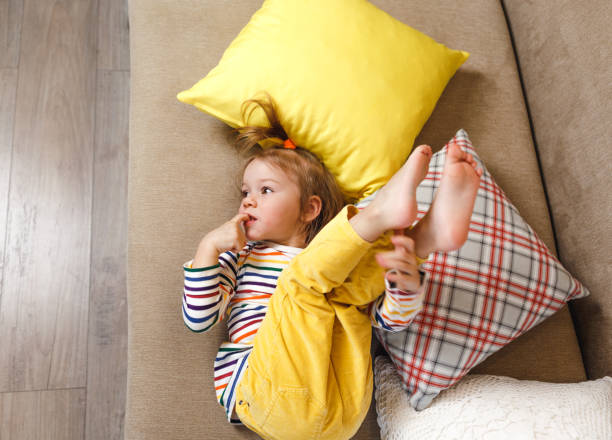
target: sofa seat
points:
(183, 176)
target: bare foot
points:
(445, 226)
(395, 204)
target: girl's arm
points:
(208, 291)
(396, 308)
(403, 296)
(210, 278)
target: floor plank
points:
(43, 314)
(11, 12)
(113, 35)
(8, 90)
(43, 415)
(107, 358)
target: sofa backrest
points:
(565, 58)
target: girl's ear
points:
(313, 209)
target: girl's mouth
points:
(250, 221)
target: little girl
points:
(314, 270)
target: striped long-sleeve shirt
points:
(238, 290)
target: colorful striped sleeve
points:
(395, 309)
(207, 292)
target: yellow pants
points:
(309, 375)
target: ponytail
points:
(250, 135)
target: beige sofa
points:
(535, 99)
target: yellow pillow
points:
(353, 84)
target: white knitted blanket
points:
(495, 407)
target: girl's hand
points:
(229, 236)
(402, 262)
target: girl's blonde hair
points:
(302, 166)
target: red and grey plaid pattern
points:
(500, 284)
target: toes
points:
(424, 149)
(455, 152)
(474, 165)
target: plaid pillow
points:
(500, 284)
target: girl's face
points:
(272, 201)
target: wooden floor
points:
(64, 96)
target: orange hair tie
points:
(289, 144)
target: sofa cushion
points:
(183, 177)
(565, 56)
(500, 284)
(353, 84)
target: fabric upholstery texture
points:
(495, 407)
(348, 78)
(501, 283)
(181, 185)
(565, 57)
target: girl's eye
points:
(266, 190)
(244, 194)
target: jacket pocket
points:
(295, 414)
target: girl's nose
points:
(249, 201)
